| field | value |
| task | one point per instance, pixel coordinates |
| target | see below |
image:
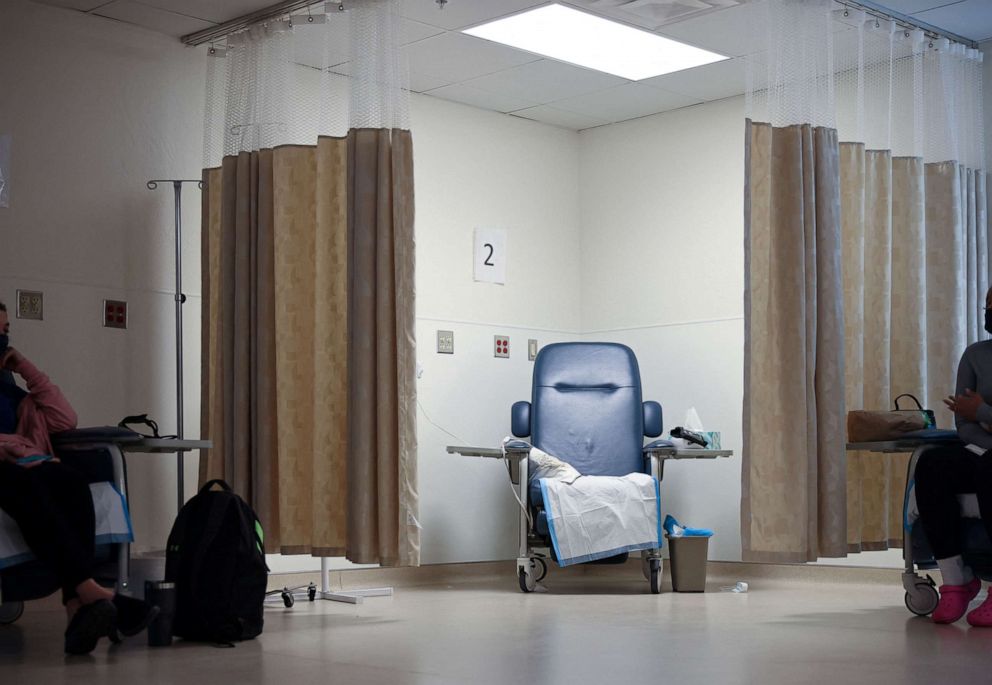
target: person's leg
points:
(133, 615)
(52, 513)
(53, 508)
(982, 616)
(940, 476)
(73, 502)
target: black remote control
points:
(689, 436)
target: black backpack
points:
(216, 558)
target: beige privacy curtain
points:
(869, 147)
(308, 272)
(794, 365)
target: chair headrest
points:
(590, 366)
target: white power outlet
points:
(445, 342)
(501, 346)
(30, 304)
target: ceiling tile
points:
(325, 45)
(215, 11)
(82, 5)
(652, 14)
(476, 97)
(459, 14)
(910, 6)
(545, 81)
(454, 57)
(723, 31)
(147, 17)
(414, 31)
(419, 83)
(970, 18)
(625, 102)
(710, 82)
(559, 117)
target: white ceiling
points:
(448, 64)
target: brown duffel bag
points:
(874, 426)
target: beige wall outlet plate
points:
(30, 304)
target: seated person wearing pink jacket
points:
(51, 503)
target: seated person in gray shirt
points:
(943, 474)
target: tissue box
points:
(713, 437)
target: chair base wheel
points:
(10, 612)
(655, 573)
(922, 600)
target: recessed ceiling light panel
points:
(570, 35)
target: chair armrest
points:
(652, 419)
(654, 461)
(656, 445)
(99, 434)
(520, 419)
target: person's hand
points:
(966, 405)
(10, 359)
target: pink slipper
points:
(954, 601)
(982, 616)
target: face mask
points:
(988, 321)
(5, 340)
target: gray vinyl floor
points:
(581, 630)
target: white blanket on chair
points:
(594, 517)
(113, 524)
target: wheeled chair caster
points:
(922, 600)
(528, 575)
(10, 612)
(654, 574)
(287, 598)
(312, 592)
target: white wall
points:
(663, 271)
(95, 108)
(476, 168)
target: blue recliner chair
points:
(586, 409)
(95, 453)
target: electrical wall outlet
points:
(115, 314)
(531, 349)
(501, 346)
(445, 342)
(30, 304)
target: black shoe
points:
(91, 622)
(133, 615)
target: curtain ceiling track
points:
(876, 10)
(281, 9)
(226, 28)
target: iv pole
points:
(177, 186)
